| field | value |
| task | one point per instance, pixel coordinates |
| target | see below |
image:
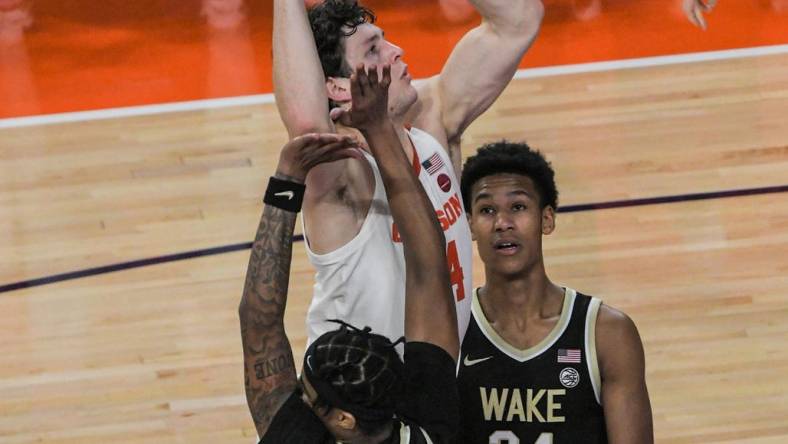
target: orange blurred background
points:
(71, 55)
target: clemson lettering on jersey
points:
(447, 216)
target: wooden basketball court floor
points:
(673, 187)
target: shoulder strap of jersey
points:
(590, 347)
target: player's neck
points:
(531, 294)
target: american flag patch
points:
(571, 355)
(433, 164)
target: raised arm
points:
(430, 314)
(268, 359)
(622, 366)
(482, 63)
(299, 83)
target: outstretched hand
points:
(303, 153)
(370, 97)
(694, 9)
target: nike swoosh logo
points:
(288, 194)
(309, 362)
(470, 362)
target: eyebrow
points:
(374, 38)
(378, 34)
(481, 196)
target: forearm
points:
(299, 83)
(268, 272)
(410, 207)
(484, 61)
(268, 357)
(429, 303)
(510, 15)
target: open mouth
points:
(506, 247)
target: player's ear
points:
(548, 220)
(338, 89)
(345, 420)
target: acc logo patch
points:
(569, 377)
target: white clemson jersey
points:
(363, 281)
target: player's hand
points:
(370, 98)
(303, 153)
(694, 9)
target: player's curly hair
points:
(357, 371)
(332, 21)
(509, 157)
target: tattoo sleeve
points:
(268, 359)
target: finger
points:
(330, 139)
(301, 141)
(359, 82)
(699, 18)
(355, 152)
(346, 153)
(325, 139)
(321, 153)
(341, 116)
(373, 76)
(335, 113)
(688, 6)
(343, 153)
(386, 80)
(709, 5)
(309, 164)
(690, 11)
(319, 141)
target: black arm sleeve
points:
(296, 423)
(431, 399)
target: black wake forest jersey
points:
(547, 394)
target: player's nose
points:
(396, 53)
(503, 222)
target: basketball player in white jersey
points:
(350, 236)
(354, 387)
(541, 364)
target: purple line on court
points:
(297, 238)
(672, 199)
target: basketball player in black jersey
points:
(540, 364)
(353, 388)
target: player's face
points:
(507, 223)
(368, 46)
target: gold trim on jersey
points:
(404, 434)
(532, 352)
(590, 343)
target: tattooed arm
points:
(268, 359)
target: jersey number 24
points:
(508, 437)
